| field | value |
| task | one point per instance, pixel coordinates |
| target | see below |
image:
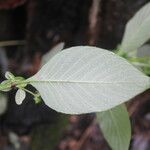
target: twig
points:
(84, 137)
(93, 21)
(12, 43)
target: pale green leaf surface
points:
(137, 30)
(52, 53)
(9, 75)
(20, 96)
(87, 79)
(116, 128)
(5, 86)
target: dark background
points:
(43, 24)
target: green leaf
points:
(137, 30)
(87, 79)
(116, 128)
(5, 86)
(9, 75)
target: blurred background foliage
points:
(38, 25)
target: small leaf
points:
(116, 128)
(86, 79)
(9, 75)
(19, 78)
(5, 86)
(52, 53)
(137, 30)
(20, 96)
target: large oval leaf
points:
(116, 127)
(87, 79)
(137, 30)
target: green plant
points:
(86, 79)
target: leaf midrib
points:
(82, 82)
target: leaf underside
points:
(86, 79)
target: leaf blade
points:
(137, 29)
(74, 81)
(20, 96)
(116, 127)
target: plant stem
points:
(15, 83)
(12, 43)
(29, 92)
